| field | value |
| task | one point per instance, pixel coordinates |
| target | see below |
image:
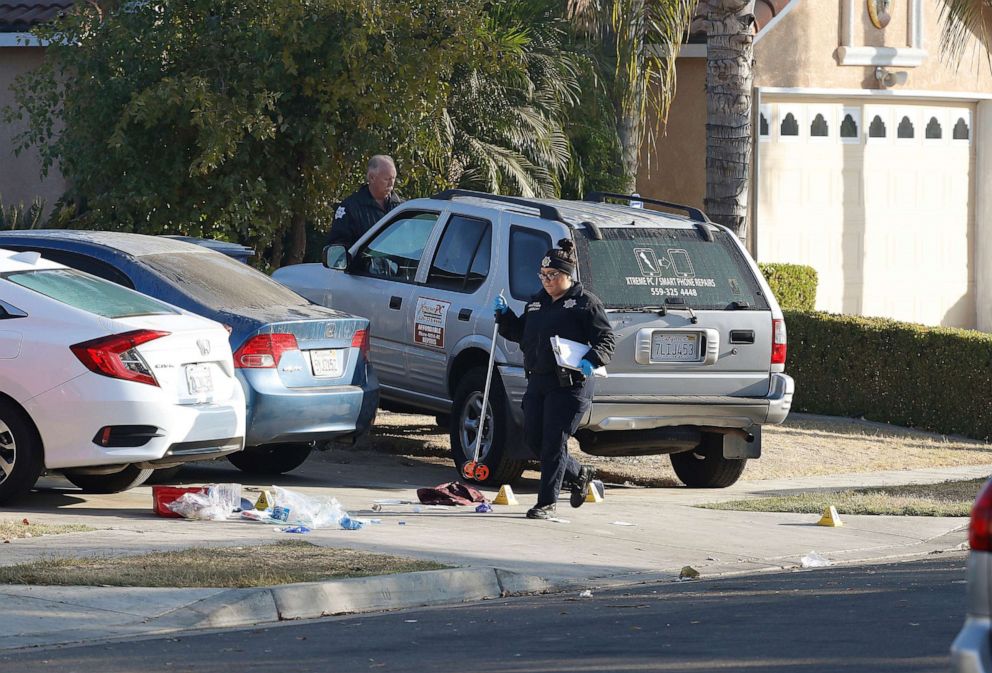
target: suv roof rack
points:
(545, 211)
(695, 214)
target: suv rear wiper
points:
(679, 305)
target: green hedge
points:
(794, 285)
(932, 378)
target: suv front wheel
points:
(466, 412)
(705, 466)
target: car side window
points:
(461, 263)
(527, 248)
(395, 252)
(82, 262)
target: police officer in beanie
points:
(365, 207)
(557, 398)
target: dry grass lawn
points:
(804, 446)
(950, 498)
(225, 567)
(10, 530)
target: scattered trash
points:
(586, 594)
(25, 522)
(555, 519)
(410, 621)
(688, 573)
(293, 529)
(246, 504)
(207, 506)
(280, 513)
(814, 560)
(162, 496)
(451, 493)
(623, 523)
(252, 515)
(830, 518)
(712, 558)
(348, 523)
(484, 508)
(402, 523)
(307, 510)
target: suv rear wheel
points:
(705, 466)
(465, 414)
(20, 454)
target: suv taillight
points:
(779, 342)
(263, 351)
(361, 342)
(980, 528)
(117, 355)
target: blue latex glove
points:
(499, 306)
(586, 368)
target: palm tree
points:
(729, 73)
(636, 42)
(961, 20)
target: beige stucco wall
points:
(800, 50)
(677, 169)
(20, 176)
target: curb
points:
(310, 600)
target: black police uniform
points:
(557, 399)
(357, 214)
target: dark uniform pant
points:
(552, 413)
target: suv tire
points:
(115, 482)
(20, 449)
(464, 421)
(271, 458)
(705, 466)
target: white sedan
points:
(105, 384)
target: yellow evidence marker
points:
(830, 518)
(505, 496)
(596, 491)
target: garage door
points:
(878, 199)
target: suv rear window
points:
(639, 267)
(89, 293)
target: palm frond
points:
(962, 22)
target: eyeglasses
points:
(550, 276)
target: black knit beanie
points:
(561, 258)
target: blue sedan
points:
(304, 367)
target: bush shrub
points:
(794, 285)
(931, 378)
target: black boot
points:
(581, 485)
(541, 512)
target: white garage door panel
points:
(881, 211)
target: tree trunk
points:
(297, 238)
(629, 133)
(729, 73)
(275, 253)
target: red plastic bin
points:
(163, 495)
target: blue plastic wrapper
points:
(484, 508)
(295, 529)
(350, 524)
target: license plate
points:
(327, 363)
(199, 379)
(674, 347)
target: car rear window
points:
(219, 282)
(639, 267)
(89, 293)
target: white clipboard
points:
(569, 354)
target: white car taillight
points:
(117, 355)
(263, 351)
(779, 342)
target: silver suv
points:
(700, 353)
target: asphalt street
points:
(897, 617)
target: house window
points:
(934, 131)
(790, 127)
(819, 128)
(905, 129)
(848, 127)
(877, 128)
(961, 130)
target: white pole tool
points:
(473, 469)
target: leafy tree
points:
(961, 22)
(636, 42)
(504, 125)
(238, 119)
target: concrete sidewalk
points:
(494, 555)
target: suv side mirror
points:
(336, 257)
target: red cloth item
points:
(452, 493)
